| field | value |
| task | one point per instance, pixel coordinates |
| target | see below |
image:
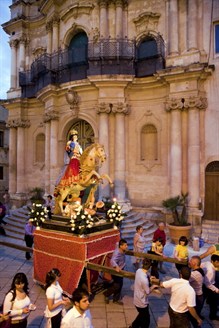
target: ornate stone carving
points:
(121, 108)
(50, 115)
(49, 26)
(104, 108)
(76, 10)
(38, 51)
(186, 103)
(18, 123)
(13, 43)
(73, 100)
(146, 21)
(95, 34)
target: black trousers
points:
(143, 318)
(178, 320)
(115, 289)
(29, 243)
(56, 320)
(212, 300)
(198, 307)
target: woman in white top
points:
(55, 300)
(17, 301)
(139, 244)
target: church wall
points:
(147, 100)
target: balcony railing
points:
(103, 57)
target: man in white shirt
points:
(211, 292)
(79, 316)
(182, 300)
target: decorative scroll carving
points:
(104, 108)
(38, 51)
(50, 115)
(146, 21)
(121, 108)
(76, 10)
(73, 100)
(186, 103)
(18, 123)
(95, 34)
(13, 43)
(23, 39)
(49, 26)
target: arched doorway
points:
(85, 133)
(211, 209)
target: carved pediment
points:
(146, 21)
(76, 10)
(38, 51)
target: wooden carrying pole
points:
(155, 257)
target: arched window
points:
(149, 56)
(40, 148)
(78, 49)
(149, 143)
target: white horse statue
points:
(91, 159)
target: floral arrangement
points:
(81, 220)
(38, 214)
(115, 214)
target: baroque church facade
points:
(138, 76)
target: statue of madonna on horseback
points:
(80, 173)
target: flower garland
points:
(38, 214)
(115, 214)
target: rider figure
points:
(74, 152)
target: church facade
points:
(138, 76)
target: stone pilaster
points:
(119, 19)
(120, 110)
(13, 45)
(173, 28)
(49, 37)
(194, 104)
(104, 110)
(103, 19)
(55, 34)
(192, 25)
(22, 44)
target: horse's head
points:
(100, 152)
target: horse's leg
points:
(64, 194)
(106, 176)
(89, 176)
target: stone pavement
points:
(104, 316)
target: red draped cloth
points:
(71, 174)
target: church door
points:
(211, 209)
(85, 133)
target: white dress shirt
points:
(182, 294)
(209, 279)
(73, 319)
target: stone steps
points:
(210, 231)
(139, 216)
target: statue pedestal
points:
(69, 253)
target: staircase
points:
(148, 218)
(15, 226)
(210, 231)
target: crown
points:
(73, 132)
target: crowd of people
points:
(198, 282)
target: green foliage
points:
(37, 195)
(178, 206)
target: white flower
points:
(113, 206)
(83, 216)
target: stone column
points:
(12, 157)
(192, 25)
(173, 28)
(111, 20)
(53, 147)
(103, 19)
(174, 105)
(55, 34)
(119, 19)
(21, 125)
(49, 37)
(194, 104)
(22, 43)
(13, 45)
(103, 111)
(120, 110)
(47, 156)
